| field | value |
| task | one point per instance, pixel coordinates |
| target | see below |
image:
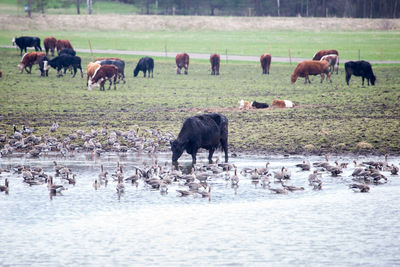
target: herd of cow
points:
(101, 70)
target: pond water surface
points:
(248, 225)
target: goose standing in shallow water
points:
(4, 188)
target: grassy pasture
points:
(373, 45)
(376, 39)
(329, 117)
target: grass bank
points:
(329, 117)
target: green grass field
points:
(372, 45)
(330, 117)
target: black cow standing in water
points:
(359, 68)
(26, 41)
(208, 131)
(144, 64)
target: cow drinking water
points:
(208, 131)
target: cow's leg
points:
(210, 155)
(362, 80)
(115, 84)
(322, 77)
(348, 76)
(194, 152)
(328, 75)
(178, 69)
(74, 72)
(152, 73)
(186, 70)
(81, 71)
(224, 145)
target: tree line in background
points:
(304, 8)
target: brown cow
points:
(104, 73)
(182, 61)
(30, 59)
(333, 61)
(306, 68)
(214, 60)
(322, 53)
(62, 44)
(50, 44)
(91, 69)
(265, 60)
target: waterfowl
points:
(305, 166)
(53, 188)
(120, 186)
(263, 171)
(133, 178)
(4, 188)
(254, 175)
(96, 184)
(314, 181)
(235, 178)
(183, 193)
(292, 188)
(359, 188)
(394, 169)
(334, 170)
(278, 190)
(205, 193)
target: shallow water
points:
(249, 225)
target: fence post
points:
(90, 47)
(165, 48)
(290, 57)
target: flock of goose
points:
(197, 181)
(160, 176)
(134, 140)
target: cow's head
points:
(46, 65)
(294, 78)
(13, 41)
(373, 79)
(177, 150)
(21, 67)
(91, 84)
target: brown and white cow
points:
(102, 74)
(306, 68)
(322, 53)
(278, 103)
(62, 44)
(30, 59)
(333, 61)
(182, 61)
(91, 69)
(214, 60)
(265, 61)
(50, 45)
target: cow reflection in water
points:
(207, 131)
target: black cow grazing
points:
(256, 104)
(67, 51)
(65, 61)
(207, 131)
(26, 41)
(359, 68)
(42, 62)
(144, 64)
